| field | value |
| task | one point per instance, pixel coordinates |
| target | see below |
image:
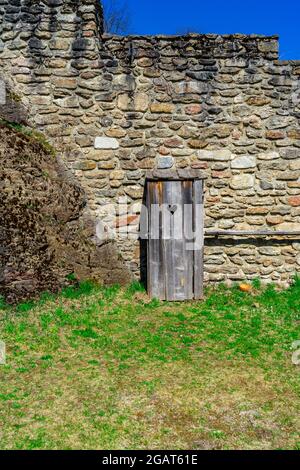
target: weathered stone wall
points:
(116, 107)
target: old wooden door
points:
(175, 239)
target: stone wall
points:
(116, 107)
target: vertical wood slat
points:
(198, 225)
(155, 279)
(168, 242)
(178, 252)
(187, 187)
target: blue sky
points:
(221, 16)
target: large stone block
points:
(106, 143)
(159, 108)
(289, 226)
(294, 201)
(218, 155)
(139, 102)
(193, 109)
(268, 156)
(258, 100)
(194, 87)
(243, 162)
(243, 181)
(290, 153)
(86, 165)
(165, 162)
(274, 219)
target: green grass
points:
(106, 368)
(31, 134)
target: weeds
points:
(31, 134)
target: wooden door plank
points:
(179, 242)
(155, 281)
(188, 238)
(168, 242)
(199, 231)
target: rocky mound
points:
(44, 233)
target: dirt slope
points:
(44, 232)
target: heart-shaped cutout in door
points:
(172, 208)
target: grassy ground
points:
(102, 368)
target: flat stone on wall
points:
(106, 143)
